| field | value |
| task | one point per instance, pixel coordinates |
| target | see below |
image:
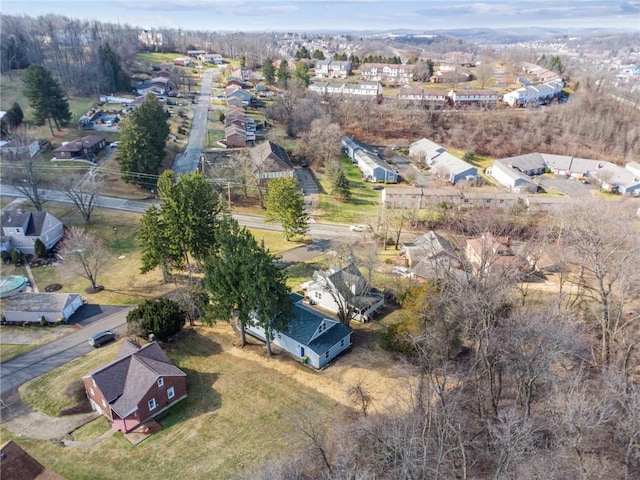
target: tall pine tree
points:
(285, 204)
(46, 98)
(142, 143)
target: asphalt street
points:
(189, 159)
(44, 359)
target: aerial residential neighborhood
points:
(273, 242)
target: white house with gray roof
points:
(533, 94)
(32, 307)
(20, 230)
(442, 162)
(310, 336)
(515, 172)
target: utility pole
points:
(229, 194)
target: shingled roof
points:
(126, 380)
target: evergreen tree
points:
(161, 317)
(40, 248)
(15, 115)
(302, 73)
(142, 143)
(114, 78)
(46, 98)
(183, 228)
(245, 282)
(268, 71)
(283, 74)
(285, 204)
(318, 54)
(157, 248)
(341, 188)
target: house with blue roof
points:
(310, 336)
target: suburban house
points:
(387, 72)
(214, 58)
(235, 136)
(485, 98)
(442, 162)
(31, 307)
(373, 168)
(17, 464)
(137, 386)
(539, 74)
(490, 253)
(333, 68)
(422, 198)
(234, 91)
(430, 246)
(515, 172)
(195, 53)
(182, 61)
(310, 335)
(156, 86)
(425, 96)
(238, 82)
(343, 287)
(533, 94)
(22, 229)
(149, 38)
(19, 148)
(512, 177)
(83, 148)
(270, 160)
(365, 89)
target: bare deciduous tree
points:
(85, 255)
(83, 193)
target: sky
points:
(341, 15)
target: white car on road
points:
(359, 228)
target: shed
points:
(31, 307)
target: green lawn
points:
(9, 351)
(238, 415)
(362, 205)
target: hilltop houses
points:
(533, 94)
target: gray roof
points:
(430, 245)
(305, 324)
(526, 162)
(126, 380)
(32, 222)
(39, 302)
(268, 151)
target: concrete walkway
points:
(34, 287)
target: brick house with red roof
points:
(137, 386)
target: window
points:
(160, 382)
(171, 392)
(91, 391)
(152, 404)
(342, 342)
(326, 355)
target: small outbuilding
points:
(32, 307)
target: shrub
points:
(43, 321)
(40, 248)
(16, 257)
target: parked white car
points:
(358, 228)
(402, 271)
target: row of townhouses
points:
(372, 167)
(518, 173)
(364, 89)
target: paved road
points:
(37, 362)
(316, 230)
(188, 160)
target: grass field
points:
(238, 415)
(362, 205)
(9, 351)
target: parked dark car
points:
(102, 338)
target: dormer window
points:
(160, 382)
